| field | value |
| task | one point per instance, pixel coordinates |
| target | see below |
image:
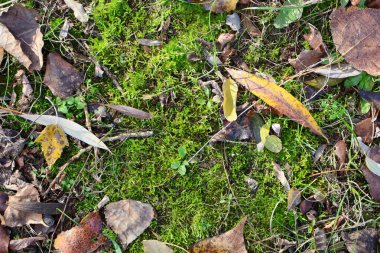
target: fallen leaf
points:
(256, 122)
(362, 241)
(365, 130)
(21, 36)
(372, 97)
(294, 198)
(278, 98)
(70, 127)
(340, 149)
(315, 39)
(273, 143)
(248, 25)
(27, 90)
(233, 21)
(65, 29)
(128, 219)
(213, 59)
(224, 39)
(231, 241)
(320, 240)
(86, 237)
(337, 71)
(53, 140)
(322, 81)
(306, 206)
(355, 37)
(236, 130)
(286, 16)
(78, 9)
(4, 239)
(24, 242)
(319, 152)
(276, 128)
(372, 160)
(230, 90)
(130, 111)
(306, 59)
(16, 218)
(149, 43)
(281, 176)
(153, 246)
(61, 77)
(373, 183)
(217, 6)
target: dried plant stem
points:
(123, 136)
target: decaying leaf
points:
(233, 21)
(21, 36)
(322, 81)
(278, 98)
(153, 246)
(337, 71)
(362, 241)
(289, 15)
(224, 39)
(149, 43)
(236, 130)
(24, 242)
(315, 39)
(4, 239)
(61, 77)
(294, 198)
(248, 25)
(53, 140)
(70, 127)
(320, 240)
(65, 29)
(354, 31)
(86, 237)
(130, 111)
(230, 90)
(372, 97)
(306, 59)
(373, 183)
(231, 241)
(319, 152)
(217, 6)
(128, 219)
(27, 90)
(365, 129)
(78, 9)
(340, 149)
(281, 176)
(15, 217)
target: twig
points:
(113, 78)
(123, 136)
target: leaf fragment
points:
(149, 43)
(273, 143)
(233, 21)
(79, 11)
(154, 246)
(281, 176)
(294, 198)
(230, 90)
(337, 71)
(278, 98)
(23, 243)
(130, 111)
(217, 6)
(365, 129)
(53, 140)
(315, 39)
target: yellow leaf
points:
(230, 90)
(278, 98)
(53, 140)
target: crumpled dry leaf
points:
(231, 241)
(230, 90)
(365, 129)
(128, 219)
(340, 149)
(86, 237)
(248, 25)
(27, 90)
(281, 176)
(21, 36)
(53, 140)
(61, 77)
(372, 97)
(153, 246)
(16, 218)
(224, 39)
(315, 39)
(294, 198)
(24, 242)
(4, 239)
(79, 11)
(373, 183)
(306, 59)
(362, 241)
(355, 37)
(337, 71)
(237, 130)
(233, 21)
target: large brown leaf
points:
(231, 241)
(21, 36)
(128, 219)
(355, 32)
(278, 98)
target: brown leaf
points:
(4, 239)
(354, 31)
(365, 130)
(130, 111)
(372, 97)
(27, 90)
(294, 198)
(86, 237)
(306, 59)
(15, 217)
(224, 39)
(306, 205)
(320, 240)
(24, 242)
(21, 36)
(362, 241)
(153, 246)
(61, 77)
(217, 6)
(248, 25)
(373, 183)
(281, 176)
(315, 39)
(237, 130)
(128, 219)
(340, 150)
(231, 241)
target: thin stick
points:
(113, 78)
(123, 136)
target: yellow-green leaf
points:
(278, 98)
(230, 90)
(53, 139)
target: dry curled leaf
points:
(315, 39)
(53, 140)
(337, 71)
(61, 77)
(153, 246)
(15, 217)
(365, 129)
(354, 31)
(79, 11)
(306, 59)
(4, 239)
(231, 241)
(278, 98)
(281, 176)
(248, 25)
(230, 90)
(86, 237)
(373, 183)
(340, 149)
(24, 242)
(128, 219)
(294, 198)
(130, 111)
(27, 90)
(21, 37)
